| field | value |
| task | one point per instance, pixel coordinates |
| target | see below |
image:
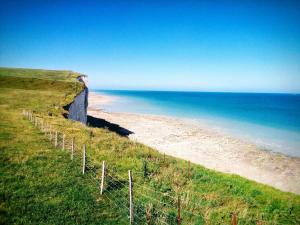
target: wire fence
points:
(138, 203)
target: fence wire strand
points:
(117, 183)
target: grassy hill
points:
(40, 184)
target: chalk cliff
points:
(78, 108)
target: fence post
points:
(145, 169)
(50, 133)
(72, 148)
(189, 170)
(148, 214)
(63, 142)
(102, 177)
(42, 125)
(56, 139)
(233, 219)
(83, 159)
(46, 128)
(130, 198)
(178, 206)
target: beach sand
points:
(192, 141)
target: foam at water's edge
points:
(266, 137)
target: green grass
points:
(62, 75)
(41, 185)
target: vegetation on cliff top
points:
(41, 185)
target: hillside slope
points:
(40, 184)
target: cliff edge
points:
(78, 108)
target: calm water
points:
(272, 121)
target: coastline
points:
(188, 140)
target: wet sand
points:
(190, 140)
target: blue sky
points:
(252, 46)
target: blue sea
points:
(271, 121)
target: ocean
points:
(271, 121)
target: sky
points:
(235, 46)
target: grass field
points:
(41, 185)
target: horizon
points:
(220, 46)
(196, 91)
(157, 90)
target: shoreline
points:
(185, 139)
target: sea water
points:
(271, 121)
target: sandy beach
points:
(192, 141)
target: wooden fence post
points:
(56, 139)
(189, 170)
(72, 148)
(148, 214)
(46, 127)
(178, 206)
(83, 159)
(50, 133)
(130, 198)
(233, 219)
(63, 142)
(42, 125)
(145, 169)
(102, 177)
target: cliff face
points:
(78, 108)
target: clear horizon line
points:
(200, 91)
